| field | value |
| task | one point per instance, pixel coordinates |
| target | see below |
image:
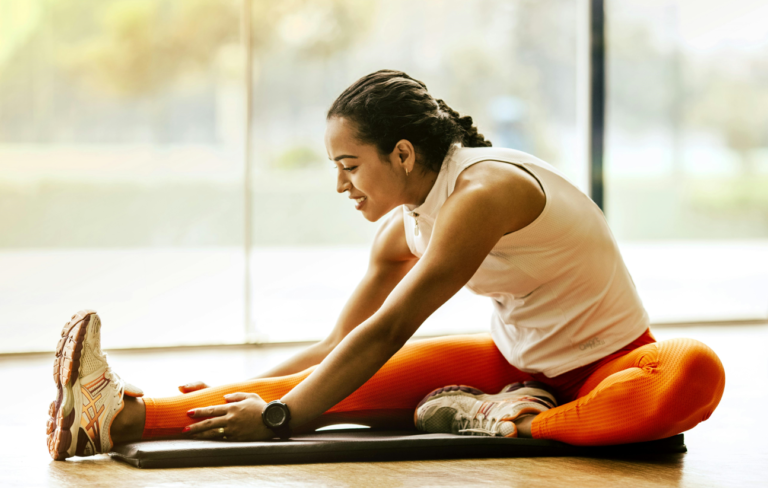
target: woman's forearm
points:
(353, 362)
(369, 346)
(311, 356)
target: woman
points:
(568, 323)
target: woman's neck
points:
(419, 188)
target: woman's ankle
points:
(523, 425)
(128, 425)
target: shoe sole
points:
(469, 390)
(445, 390)
(482, 396)
(66, 370)
(450, 390)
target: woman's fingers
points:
(238, 420)
(194, 386)
(239, 396)
(214, 411)
(207, 429)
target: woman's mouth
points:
(360, 202)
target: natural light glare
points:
(123, 157)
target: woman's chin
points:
(371, 216)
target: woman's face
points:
(375, 186)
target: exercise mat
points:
(366, 445)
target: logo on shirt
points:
(591, 344)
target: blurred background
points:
(131, 169)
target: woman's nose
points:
(342, 184)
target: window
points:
(687, 154)
(121, 170)
(123, 153)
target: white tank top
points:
(562, 295)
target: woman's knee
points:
(694, 378)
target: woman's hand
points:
(240, 420)
(194, 386)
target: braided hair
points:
(388, 106)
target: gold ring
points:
(221, 430)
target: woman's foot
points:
(466, 410)
(89, 394)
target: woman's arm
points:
(390, 260)
(470, 223)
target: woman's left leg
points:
(655, 391)
(387, 399)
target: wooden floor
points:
(730, 449)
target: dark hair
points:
(388, 106)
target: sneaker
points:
(90, 394)
(464, 410)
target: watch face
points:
(275, 416)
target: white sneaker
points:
(90, 394)
(459, 409)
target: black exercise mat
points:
(366, 445)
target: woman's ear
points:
(404, 155)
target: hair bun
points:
(466, 122)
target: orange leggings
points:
(647, 390)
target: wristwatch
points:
(276, 416)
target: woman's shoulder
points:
(498, 176)
(494, 167)
(507, 188)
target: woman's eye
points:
(350, 168)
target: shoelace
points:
(119, 383)
(478, 424)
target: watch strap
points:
(283, 432)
